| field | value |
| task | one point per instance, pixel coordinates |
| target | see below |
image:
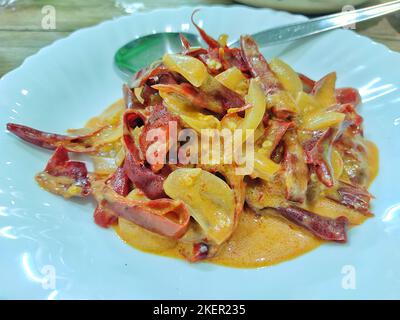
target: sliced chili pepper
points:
(211, 96)
(142, 177)
(348, 95)
(151, 183)
(354, 197)
(354, 155)
(323, 227)
(65, 177)
(159, 119)
(315, 150)
(131, 101)
(120, 183)
(353, 121)
(274, 132)
(233, 58)
(185, 42)
(296, 171)
(257, 65)
(104, 218)
(166, 217)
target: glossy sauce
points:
(258, 240)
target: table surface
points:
(21, 32)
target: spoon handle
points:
(317, 25)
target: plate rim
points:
(44, 49)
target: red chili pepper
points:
(308, 84)
(323, 227)
(275, 130)
(119, 182)
(80, 144)
(351, 196)
(142, 177)
(145, 179)
(185, 42)
(315, 155)
(212, 43)
(348, 95)
(233, 58)
(59, 165)
(131, 101)
(257, 65)
(353, 121)
(166, 217)
(296, 171)
(212, 95)
(103, 217)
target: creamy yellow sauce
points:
(258, 240)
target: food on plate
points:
(308, 178)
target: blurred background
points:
(22, 32)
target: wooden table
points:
(21, 32)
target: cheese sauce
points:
(258, 240)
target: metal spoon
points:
(141, 52)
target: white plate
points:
(305, 6)
(73, 79)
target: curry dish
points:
(311, 166)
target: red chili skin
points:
(228, 57)
(322, 227)
(348, 95)
(232, 57)
(153, 215)
(343, 95)
(354, 197)
(130, 99)
(152, 73)
(296, 170)
(200, 251)
(227, 97)
(103, 218)
(160, 119)
(314, 150)
(206, 97)
(257, 65)
(212, 43)
(120, 182)
(308, 84)
(59, 165)
(189, 92)
(51, 141)
(197, 53)
(185, 42)
(353, 121)
(142, 177)
(275, 130)
(40, 138)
